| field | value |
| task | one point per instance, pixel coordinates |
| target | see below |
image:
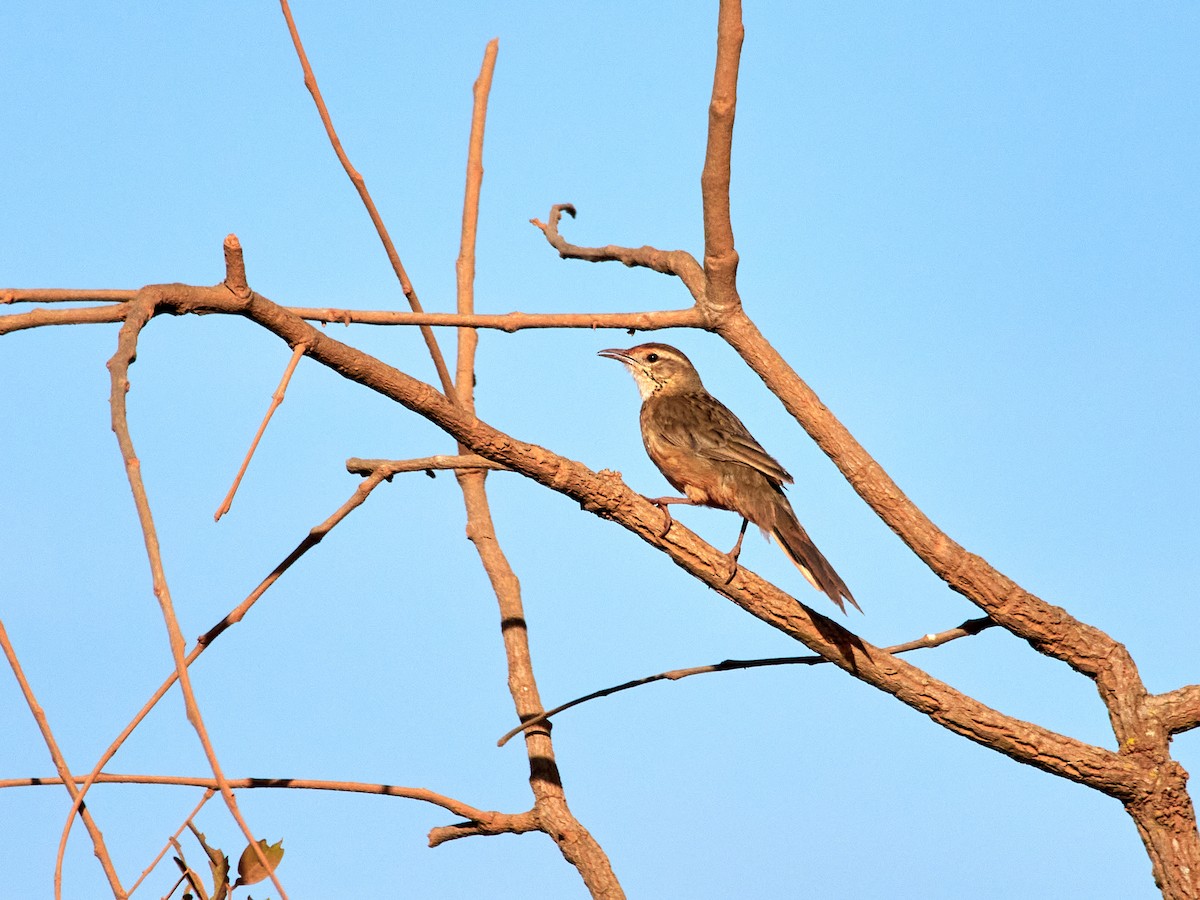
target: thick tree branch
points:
(604, 494)
(1178, 710)
(1049, 629)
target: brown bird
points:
(705, 451)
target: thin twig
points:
(510, 322)
(64, 773)
(386, 468)
(235, 615)
(679, 263)
(360, 185)
(142, 310)
(276, 400)
(38, 318)
(464, 267)
(173, 840)
(967, 628)
(496, 822)
(62, 295)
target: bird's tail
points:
(808, 559)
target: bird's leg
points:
(737, 550)
(663, 502)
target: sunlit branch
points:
(140, 314)
(38, 318)
(360, 185)
(679, 263)
(64, 772)
(234, 616)
(276, 401)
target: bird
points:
(706, 452)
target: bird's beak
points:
(619, 355)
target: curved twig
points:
(679, 263)
(966, 629)
(142, 310)
(488, 821)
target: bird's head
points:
(657, 367)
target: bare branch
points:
(1178, 710)
(720, 257)
(235, 615)
(457, 807)
(36, 318)
(173, 840)
(679, 263)
(386, 468)
(606, 495)
(64, 773)
(508, 322)
(62, 295)
(360, 185)
(551, 813)
(142, 309)
(521, 822)
(276, 401)
(1049, 629)
(464, 267)
(235, 267)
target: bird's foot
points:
(664, 503)
(733, 568)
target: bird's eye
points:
(652, 357)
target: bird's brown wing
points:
(703, 424)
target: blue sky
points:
(971, 228)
